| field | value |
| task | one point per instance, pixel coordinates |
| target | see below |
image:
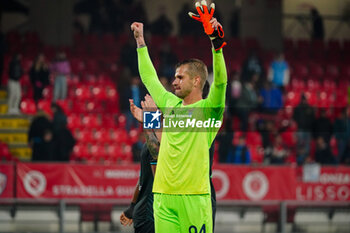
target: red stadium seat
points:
(103, 136)
(345, 72)
(313, 85)
(82, 93)
(329, 85)
(27, 106)
(316, 70)
(332, 70)
(333, 45)
(45, 105)
(325, 100)
(91, 121)
(86, 136)
(74, 121)
(297, 84)
(311, 97)
(99, 93)
(48, 93)
(108, 121)
(292, 98)
(300, 70)
(80, 152)
(119, 136)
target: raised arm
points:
(217, 92)
(146, 69)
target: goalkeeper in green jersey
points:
(181, 186)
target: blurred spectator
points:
(62, 138)
(239, 154)
(168, 60)
(101, 12)
(252, 65)
(323, 127)
(39, 77)
(129, 56)
(131, 89)
(279, 71)
(271, 98)
(2, 53)
(317, 25)
(323, 153)
(14, 86)
(59, 118)
(138, 14)
(137, 147)
(40, 137)
(165, 82)
(162, 25)
(224, 138)
(187, 26)
(345, 157)
(267, 130)
(278, 152)
(235, 22)
(233, 92)
(60, 69)
(341, 132)
(246, 103)
(304, 116)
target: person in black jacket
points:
(304, 116)
(39, 77)
(14, 86)
(40, 137)
(62, 137)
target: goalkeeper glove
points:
(204, 16)
(129, 211)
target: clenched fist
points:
(137, 28)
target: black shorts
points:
(147, 227)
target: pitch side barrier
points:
(277, 190)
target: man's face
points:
(183, 84)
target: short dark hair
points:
(196, 67)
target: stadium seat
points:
(108, 121)
(329, 85)
(74, 121)
(80, 152)
(311, 97)
(99, 93)
(292, 98)
(86, 136)
(332, 70)
(324, 100)
(299, 69)
(103, 136)
(313, 85)
(48, 93)
(82, 93)
(90, 121)
(333, 45)
(27, 106)
(45, 105)
(316, 70)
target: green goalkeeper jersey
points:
(183, 161)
